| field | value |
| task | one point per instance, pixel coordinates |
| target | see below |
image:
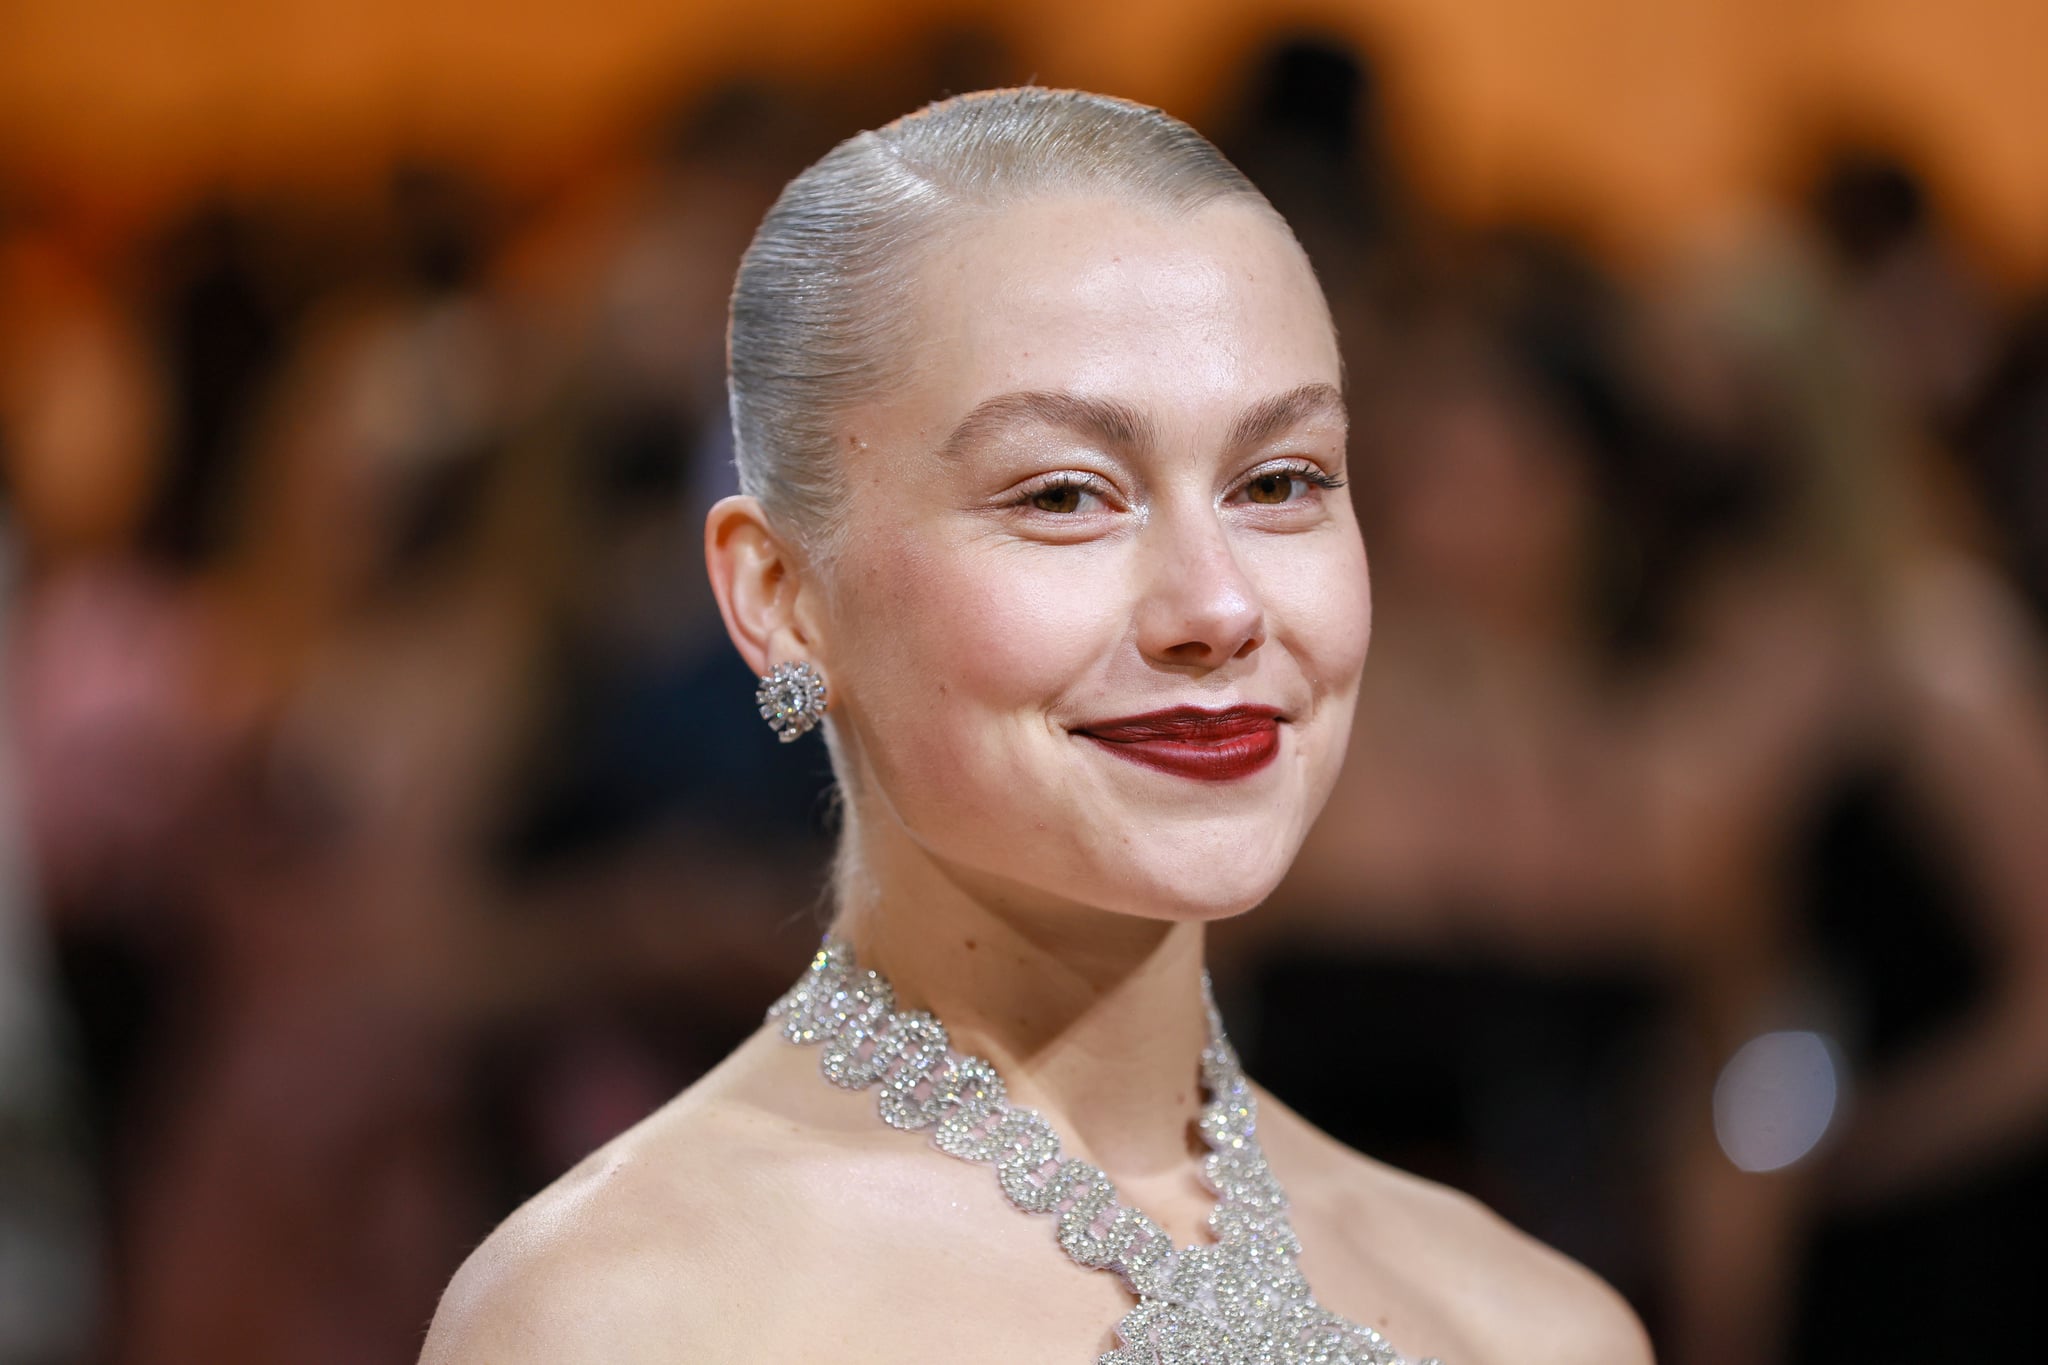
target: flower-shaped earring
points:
(792, 699)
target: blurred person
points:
(118, 742)
(1037, 409)
(1938, 943)
(1741, 705)
(633, 302)
(1476, 869)
(433, 508)
(1922, 322)
(1861, 863)
(1309, 122)
(671, 852)
(369, 601)
(220, 306)
(105, 715)
(50, 1248)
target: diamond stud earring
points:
(792, 699)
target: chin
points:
(1200, 884)
(1196, 906)
(1180, 864)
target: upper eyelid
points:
(1093, 481)
(1301, 466)
(1087, 481)
(1058, 476)
(1063, 478)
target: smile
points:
(1208, 746)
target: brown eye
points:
(1061, 497)
(1270, 488)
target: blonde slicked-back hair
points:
(821, 309)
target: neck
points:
(1092, 1018)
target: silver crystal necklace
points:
(1239, 1300)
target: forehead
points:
(1179, 314)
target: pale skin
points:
(1158, 526)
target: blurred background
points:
(383, 818)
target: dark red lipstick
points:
(1186, 741)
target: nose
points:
(1200, 608)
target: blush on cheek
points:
(1341, 630)
(959, 654)
(1319, 600)
(1014, 627)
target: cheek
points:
(954, 658)
(1319, 604)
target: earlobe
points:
(755, 576)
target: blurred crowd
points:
(384, 822)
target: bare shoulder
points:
(648, 1250)
(1470, 1286)
(1524, 1301)
(547, 1286)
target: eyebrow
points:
(1120, 425)
(1116, 424)
(1269, 417)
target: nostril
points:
(1212, 650)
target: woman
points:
(1039, 420)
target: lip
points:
(1189, 741)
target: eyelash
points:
(1308, 473)
(1059, 483)
(1313, 475)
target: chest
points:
(1005, 1294)
(1006, 1298)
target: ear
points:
(758, 581)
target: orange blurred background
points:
(1650, 125)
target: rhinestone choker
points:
(1239, 1300)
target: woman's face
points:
(1096, 628)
